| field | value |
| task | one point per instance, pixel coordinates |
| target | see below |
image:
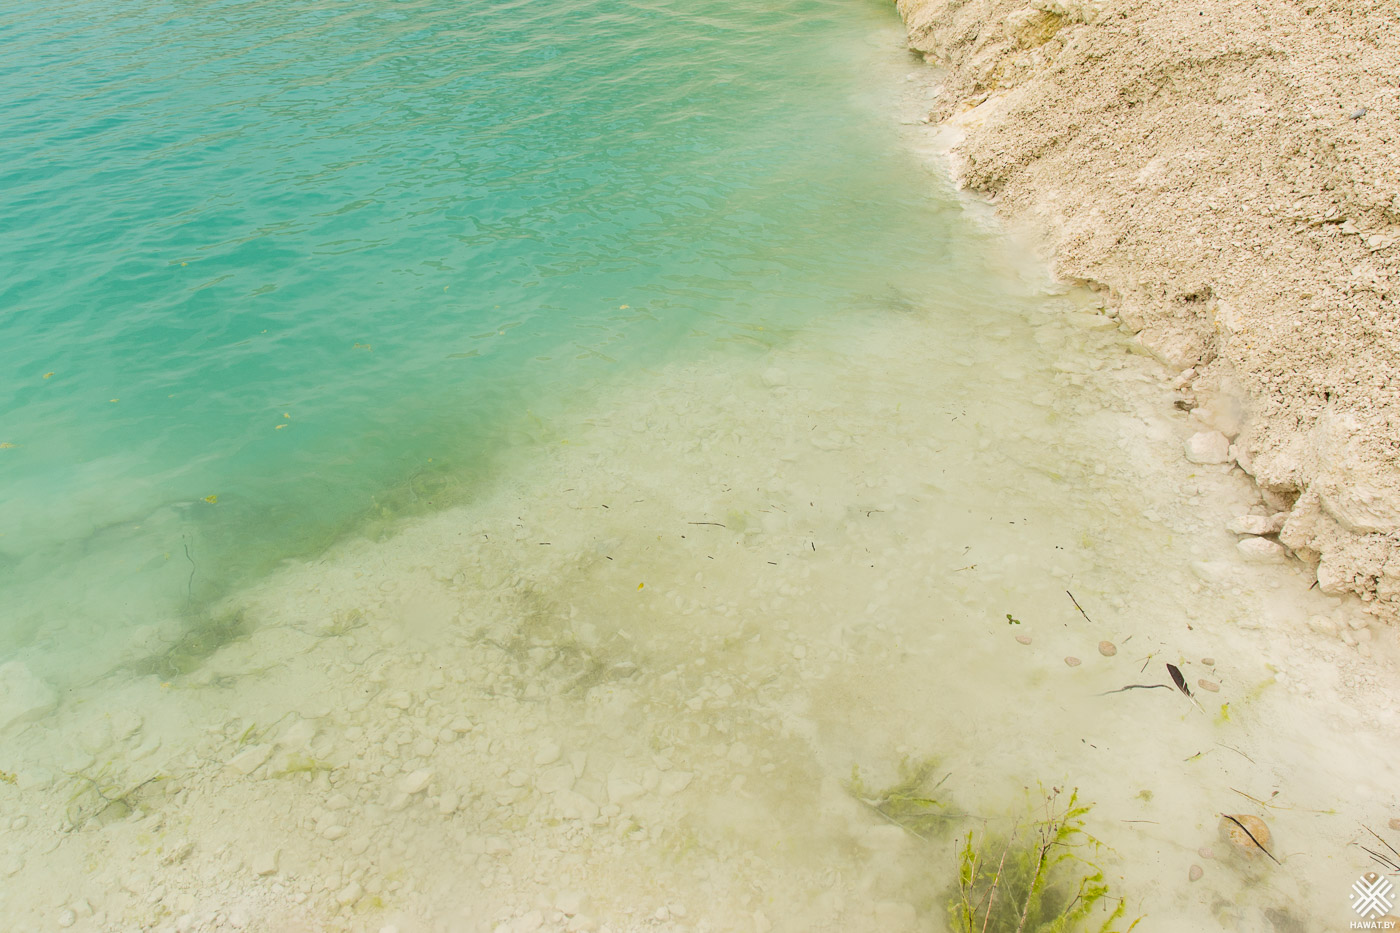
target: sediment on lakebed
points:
(1227, 174)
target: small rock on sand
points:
(265, 863)
(1252, 525)
(1024, 639)
(1208, 662)
(1395, 824)
(1261, 550)
(1108, 649)
(1208, 685)
(1073, 661)
(1245, 833)
(1195, 873)
(1206, 852)
(1208, 447)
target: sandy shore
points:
(1227, 174)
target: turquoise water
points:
(273, 272)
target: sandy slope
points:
(1228, 171)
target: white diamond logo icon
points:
(1374, 895)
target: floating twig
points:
(1251, 837)
(1391, 864)
(1134, 687)
(1079, 607)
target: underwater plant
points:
(1035, 879)
(907, 803)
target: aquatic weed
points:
(908, 803)
(1034, 879)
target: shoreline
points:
(1223, 179)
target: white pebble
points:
(265, 863)
(1260, 550)
(415, 781)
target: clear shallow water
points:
(320, 260)
(711, 550)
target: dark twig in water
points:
(1268, 803)
(1380, 860)
(189, 585)
(1242, 755)
(1079, 607)
(716, 524)
(1251, 837)
(1390, 863)
(1134, 687)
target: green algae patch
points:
(909, 803)
(1035, 878)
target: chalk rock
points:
(1331, 579)
(250, 759)
(1208, 447)
(774, 377)
(349, 894)
(555, 779)
(265, 863)
(1087, 320)
(1363, 509)
(574, 806)
(1260, 550)
(1023, 639)
(415, 781)
(299, 735)
(528, 923)
(569, 903)
(621, 790)
(673, 782)
(548, 754)
(1323, 625)
(23, 696)
(1252, 525)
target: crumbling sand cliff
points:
(1229, 172)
